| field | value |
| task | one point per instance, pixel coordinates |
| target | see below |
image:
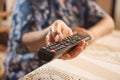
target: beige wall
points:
(117, 14)
(105, 4)
(1, 6)
(10, 4)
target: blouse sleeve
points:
(23, 19)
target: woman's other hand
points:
(85, 32)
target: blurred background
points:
(6, 7)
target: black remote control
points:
(57, 49)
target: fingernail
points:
(57, 38)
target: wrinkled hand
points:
(59, 30)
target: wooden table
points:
(100, 61)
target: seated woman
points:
(37, 23)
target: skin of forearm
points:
(103, 27)
(35, 40)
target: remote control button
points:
(62, 43)
(67, 44)
(44, 47)
(51, 47)
(53, 51)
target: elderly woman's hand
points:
(58, 31)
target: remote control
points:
(57, 49)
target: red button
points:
(53, 51)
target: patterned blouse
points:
(33, 15)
